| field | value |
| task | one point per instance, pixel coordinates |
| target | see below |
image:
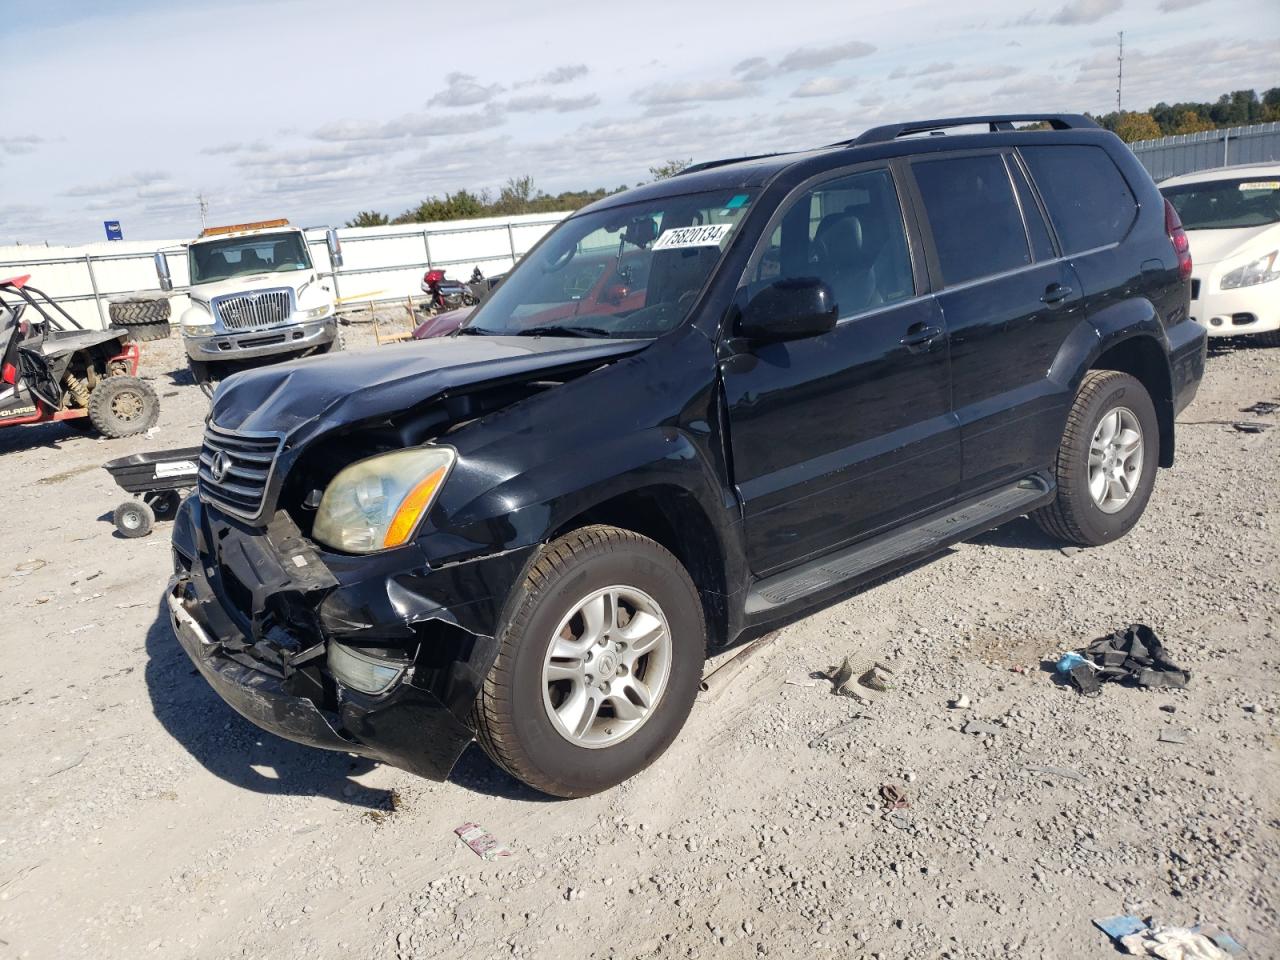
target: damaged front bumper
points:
(257, 611)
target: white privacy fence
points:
(379, 263)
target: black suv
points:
(695, 409)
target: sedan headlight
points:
(315, 313)
(378, 503)
(1262, 270)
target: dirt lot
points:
(141, 816)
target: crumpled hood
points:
(343, 388)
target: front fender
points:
(526, 507)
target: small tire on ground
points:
(134, 519)
(1073, 516)
(164, 504)
(509, 716)
(1269, 339)
(123, 406)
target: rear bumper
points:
(261, 343)
(1188, 348)
(257, 624)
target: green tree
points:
(669, 169)
(368, 218)
(1191, 122)
(1137, 126)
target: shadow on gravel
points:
(48, 435)
(1021, 533)
(474, 771)
(232, 748)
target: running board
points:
(922, 537)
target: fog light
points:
(361, 671)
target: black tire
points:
(143, 320)
(123, 407)
(1074, 516)
(336, 345)
(134, 519)
(144, 332)
(1269, 339)
(164, 504)
(138, 312)
(511, 722)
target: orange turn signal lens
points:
(411, 507)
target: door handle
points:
(920, 337)
(1055, 294)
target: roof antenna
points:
(204, 209)
(1120, 74)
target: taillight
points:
(8, 374)
(1178, 237)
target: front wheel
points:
(123, 406)
(1107, 461)
(600, 656)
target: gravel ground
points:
(140, 816)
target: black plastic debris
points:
(1262, 407)
(1134, 656)
(1251, 427)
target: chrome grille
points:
(244, 463)
(254, 311)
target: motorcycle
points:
(444, 294)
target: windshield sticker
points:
(1261, 185)
(705, 236)
(175, 468)
(738, 201)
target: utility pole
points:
(204, 209)
(1120, 75)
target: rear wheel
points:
(601, 653)
(1107, 461)
(1269, 339)
(123, 406)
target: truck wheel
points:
(600, 656)
(1106, 466)
(134, 519)
(143, 320)
(336, 345)
(123, 406)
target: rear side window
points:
(977, 229)
(1089, 201)
(1037, 229)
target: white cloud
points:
(1085, 11)
(809, 58)
(17, 145)
(692, 91)
(533, 103)
(1173, 6)
(823, 87)
(463, 90)
(117, 184)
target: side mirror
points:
(162, 271)
(789, 310)
(335, 248)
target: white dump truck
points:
(255, 293)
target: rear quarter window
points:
(1088, 199)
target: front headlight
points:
(1262, 270)
(315, 313)
(378, 503)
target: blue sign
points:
(113, 229)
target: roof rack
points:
(708, 164)
(996, 124)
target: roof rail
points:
(708, 164)
(996, 124)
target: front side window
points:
(241, 256)
(1232, 204)
(977, 229)
(629, 271)
(1089, 201)
(848, 233)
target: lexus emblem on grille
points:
(219, 466)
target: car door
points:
(1009, 301)
(836, 436)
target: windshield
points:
(268, 253)
(1227, 204)
(631, 271)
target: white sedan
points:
(1232, 218)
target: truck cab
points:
(255, 292)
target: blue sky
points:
(315, 109)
